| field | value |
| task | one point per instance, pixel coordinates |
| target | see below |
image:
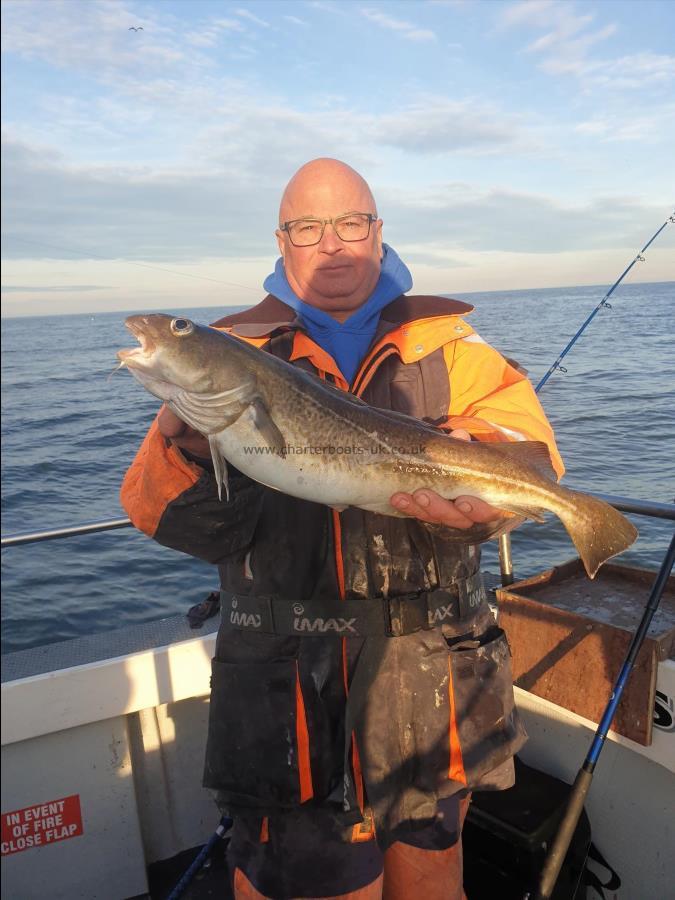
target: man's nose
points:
(330, 242)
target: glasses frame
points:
(285, 226)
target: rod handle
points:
(558, 850)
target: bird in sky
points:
(140, 28)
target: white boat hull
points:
(125, 734)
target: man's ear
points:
(280, 242)
(378, 227)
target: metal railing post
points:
(505, 560)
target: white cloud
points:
(294, 20)
(124, 211)
(229, 210)
(325, 6)
(125, 284)
(438, 125)
(527, 12)
(571, 55)
(138, 110)
(405, 29)
(247, 14)
(212, 33)
(462, 217)
(564, 29)
(430, 125)
(94, 38)
(228, 24)
(644, 127)
(499, 271)
(634, 71)
(51, 288)
(569, 38)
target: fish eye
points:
(181, 327)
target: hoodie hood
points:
(347, 342)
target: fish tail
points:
(597, 529)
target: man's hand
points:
(427, 505)
(182, 435)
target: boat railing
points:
(650, 508)
(52, 534)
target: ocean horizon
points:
(601, 288)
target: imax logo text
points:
(323, 625)
(246, 620)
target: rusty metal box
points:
(569, 637)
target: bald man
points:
(347, 762)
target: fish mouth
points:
(142, 361)
(137, 354)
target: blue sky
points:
(509, 144)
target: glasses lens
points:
(355, 227)
(305, 232)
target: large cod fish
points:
(293, 432)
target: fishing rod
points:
(505, 560)
(558, 850)
(603, 303)
(222, 832)
(582, 782)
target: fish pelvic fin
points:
(219, 468)
(598, 531)
(525, 512)
(479, 532)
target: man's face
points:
(334, 275)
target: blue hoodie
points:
(348, 341)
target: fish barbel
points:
(291, 431)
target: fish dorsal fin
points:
(357, 401)
(532, 453)
(328, 388)
(410, 420)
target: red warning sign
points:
(44, 823)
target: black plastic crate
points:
(507, 833)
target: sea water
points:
(69, 432)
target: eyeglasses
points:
(350, 227)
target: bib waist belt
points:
(388, 616)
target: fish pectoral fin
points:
(267, 427)
(211, 413)
(219, 468)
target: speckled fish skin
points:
(293, 432)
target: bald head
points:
(324, 181)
